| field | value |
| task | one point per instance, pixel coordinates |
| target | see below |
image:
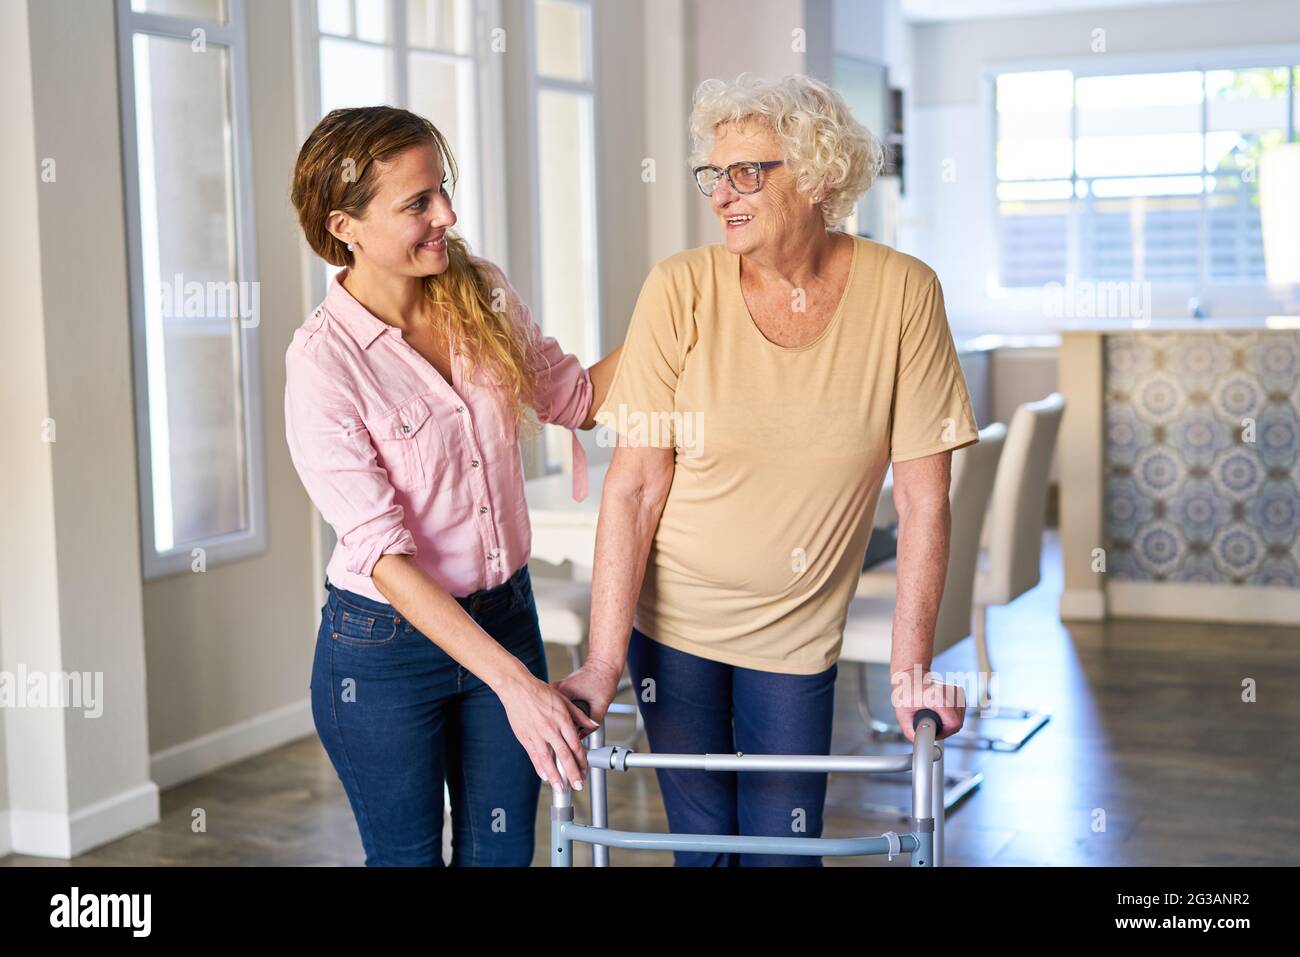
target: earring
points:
(350, 247)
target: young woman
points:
(406, 392)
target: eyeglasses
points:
(743, 177)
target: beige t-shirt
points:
(780, 452)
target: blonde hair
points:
(333, 172)
(825, 147)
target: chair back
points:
(974, 469)
(1013, 530)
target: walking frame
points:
(924, 842)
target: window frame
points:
(537, 84)
(231, 35)
(1238, 295)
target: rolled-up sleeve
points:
(339, 467)
(564, 386)
(564, 390)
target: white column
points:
(70, 586)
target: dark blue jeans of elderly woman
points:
(704, 706)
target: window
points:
(423, 55)
(193, 281)
(1138, 177)
(565, 186)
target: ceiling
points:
(933, 10)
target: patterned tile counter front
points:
(1180, 472)
(1202, 471)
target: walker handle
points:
(584, 706)
(927, 713)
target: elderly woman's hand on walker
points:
(948, 701)
(596, 682)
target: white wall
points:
(875, 30)
(954, 227)
(70, 596)
(624, 75)
(670, 199)
(25, 339)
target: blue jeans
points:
(702, 706)
(396, 714)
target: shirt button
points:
(460, 409)
(474, 463)
(482, 509)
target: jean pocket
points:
(355, 627)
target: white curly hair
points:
(825, 147)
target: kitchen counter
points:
(1180, 470)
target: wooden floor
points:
(1151, 757)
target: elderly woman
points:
(765, 385)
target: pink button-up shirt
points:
(399, 462)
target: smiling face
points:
(756, 221)
(404, 224)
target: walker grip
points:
(927, 713)
(585, 707)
